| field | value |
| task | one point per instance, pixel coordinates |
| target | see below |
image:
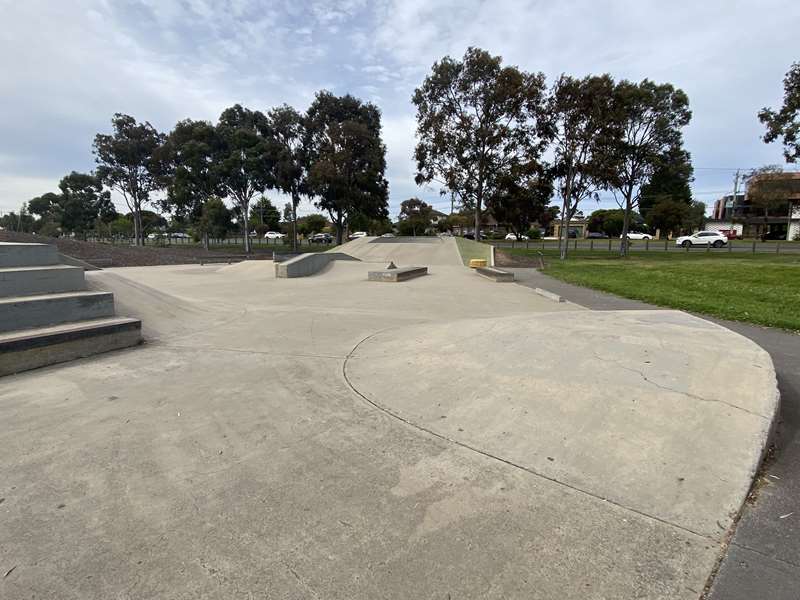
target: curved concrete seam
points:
(500, 459)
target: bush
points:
(535, 233)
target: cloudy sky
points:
(67, 66)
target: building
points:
(769, 209)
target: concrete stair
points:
(46, 314)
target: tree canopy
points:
(785, 122)
(477, 120)
(346, 159)
(128, 163)
(651, 117)
(585, 122)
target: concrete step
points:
(32, 348)
(33, 280)
(14, 254)
(26, 312)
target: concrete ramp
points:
(404, 251)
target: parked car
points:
(596, 235)
(702, 238)
(388, 235)
(321, 238)
(638, 235)
(274, 235)
(179, 235)
(358, 234)
(516, 238)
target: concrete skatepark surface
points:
(327, 437)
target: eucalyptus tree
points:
(785, 123)
(188, 173)
(652, 116)
(476, 121)
(522, 198)
(127, 163)
(285, 133)
(584, 122)
(82, 202)
(346, 159)
(241, 161)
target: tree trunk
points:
(244, 205)
(478, 206)
(563, 233)
(205, 240)
(626, 219)
(295, 202)
(339, 232)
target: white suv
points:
(703, 238)
(274, 235)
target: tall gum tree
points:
(477, 120)
(285, 133)
(585, 125)
(346, 159)
(187, 171)
(652, 116)
(241, 160)
(127, 163)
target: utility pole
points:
(733, 203)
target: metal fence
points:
(612, 245)
(180, 241)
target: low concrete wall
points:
(308, 264)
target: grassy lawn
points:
(472, 249)
(761, 288)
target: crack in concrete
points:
(670, 389)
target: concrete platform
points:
(14, 254)
(32, 280)
(25, 312)
(246, 447)
(397, 275)
(28, 349)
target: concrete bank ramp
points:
(404, 251)
(656, 411)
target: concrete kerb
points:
(549, 295)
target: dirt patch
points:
(504, 259)
(128, 256)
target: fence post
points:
(575, 247)
(754, 247)
(647, 245)
(609, 244)
(527, 244)
(730, 246)
(591, 245)
(542, 243)
(665, 246)
(778, 248)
